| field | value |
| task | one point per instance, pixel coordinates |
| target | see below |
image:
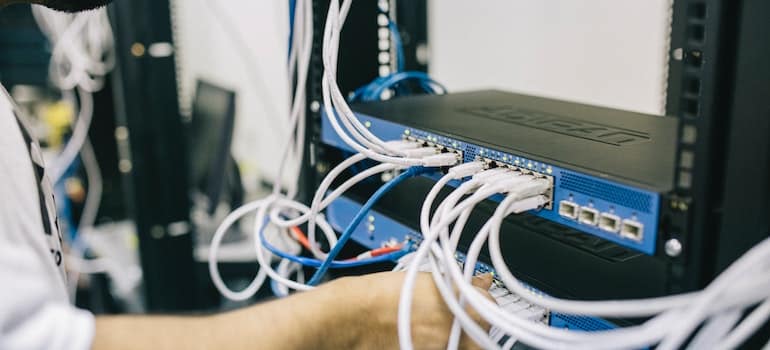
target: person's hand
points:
(376, 297)
(347, 313)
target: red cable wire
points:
(302, 239)
(385, 250)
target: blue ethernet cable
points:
(373, 90)
(398, 43)
(315, 263)
(292, 10)
(391, 80)
(411, 172)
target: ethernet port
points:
(588, 216)
(491, 164)
(632, 229)
(609, 222)
(568, 209)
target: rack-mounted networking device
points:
(380, 229)
(609, 167)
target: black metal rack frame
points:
(719, 207)
(717, 89)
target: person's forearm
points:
(318, 319)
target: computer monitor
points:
(212, 168)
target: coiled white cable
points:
(82, 47)
(82, 54)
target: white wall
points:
(206, 50)
(606, 52)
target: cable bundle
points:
(280, 211)
(82, 53)
(718, 309)
(397, 81)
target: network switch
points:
(381, 229)
(608, 167)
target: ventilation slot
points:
(469, 154)
(580, 322)
(608, 192)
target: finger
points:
(466, 343)
(482, 281)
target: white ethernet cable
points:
(87, 219)
(659, 305)
(260, 221)
(300, 55)
(470, 261)
(442, 284)
(576, 340)
(405, 302)
(85, 106)
(316, 207)
(83, 53)
(95, 186)
(472, 256)
(299, 62)
(278, 201)
(435, 160)
(747, 327)
(213, 259)
(283, 203)
(603, 342)
(319, 202)
(715, 328)
(355, 134)
(521, 187)
(261, 206)
(286, 268)
(528, 195)
(303, 35)
(504, 206)
(561, 338)
(83, 47)
(335, 20)
(668, 308)
(229, 221)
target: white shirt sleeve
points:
(35, 312)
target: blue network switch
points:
(616, 212)
(379, 229)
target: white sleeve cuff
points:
(52, 326)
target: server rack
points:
(153, 151)
(721, 174)
(716, 89)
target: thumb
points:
(482, 281)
